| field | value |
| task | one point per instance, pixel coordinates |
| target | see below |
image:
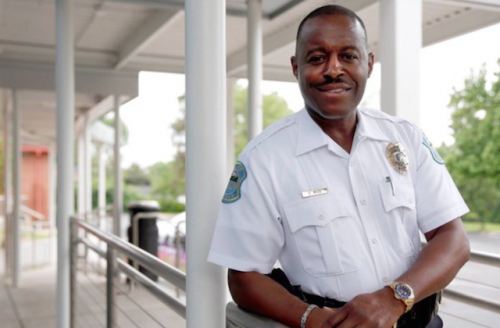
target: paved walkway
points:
(33, 304)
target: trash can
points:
(147, 233)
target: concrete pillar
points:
(118, 193)
(7, 160)
(254, 32)
(65, 89)
(16, 188)
(400, 44)
(88, 165)
(230, 136)
(81, 203)
(206, 174)
(102, 181)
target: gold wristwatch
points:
(404, 293)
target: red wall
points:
(35, 178)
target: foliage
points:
(135, 175)
(274, 108)
(474, 159)
(168, 180)
(168, 183)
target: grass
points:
(482, 227)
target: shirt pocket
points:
(398, 198)
(319, 225)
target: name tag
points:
(314, 192)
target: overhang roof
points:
(115, 39)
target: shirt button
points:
(410, 200)
(321, 217)
(351, 163)
(363, 202)
(385, 279)
(374, 240)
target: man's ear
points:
(371, 60)
(293, 61)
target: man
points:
(338, 195)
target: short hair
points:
(332, 10)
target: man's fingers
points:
(335, 319)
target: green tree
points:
(135, 175)
(474, 159)
(168, 180)
(274, 107)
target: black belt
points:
(422, 315)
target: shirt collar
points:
(369, 128)
(310, 134)
(312, 137)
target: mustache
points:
(330, 80)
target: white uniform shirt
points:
(358, 230)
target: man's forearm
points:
(446, 252)
(261, 294)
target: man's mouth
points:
(333, 89)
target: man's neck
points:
(341, 130)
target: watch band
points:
(404, 293)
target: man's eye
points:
(349, 57)
(315, 59)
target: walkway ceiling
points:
(115, 39)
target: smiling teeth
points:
(336, 90)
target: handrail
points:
(150, 262)
(485, 258)
(141, 279)
(475, 301)
(32, 212)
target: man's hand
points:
(375, 310)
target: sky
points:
(444, 67)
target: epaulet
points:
(272, 129)
(380, 115)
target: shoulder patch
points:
(233, 190)
(435, 155)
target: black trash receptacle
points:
(147, 230)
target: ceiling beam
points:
(154, 26)
(237, 61)
(471, 21)
(474, 4)
(21, 75)
(171, 5)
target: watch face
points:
(403, 291)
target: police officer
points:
(338, 195)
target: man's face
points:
(332, 65)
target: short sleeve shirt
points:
(339, 223)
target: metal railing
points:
(114, 246)
(236, 317)
(239, 318)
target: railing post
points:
(110, 290)
(73, 246)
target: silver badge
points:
(396, 154)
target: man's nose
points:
(334, 67)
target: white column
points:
(81, 167)
(400, 44)
(118, 194)
(205, 157)
(7, 160)
(254, 35)
(88, 165)
(102, 181)
(65, 87)
(16, 182)
(52, 200)
(230, 137)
